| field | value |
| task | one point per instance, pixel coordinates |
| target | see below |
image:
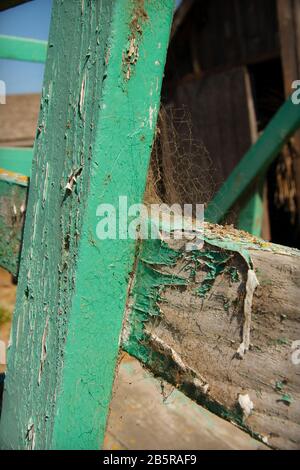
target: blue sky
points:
(30, 20)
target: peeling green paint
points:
(147, 294)
(72, 286)
(286, 399)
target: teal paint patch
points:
(215, 264)
(286, 399)
(233, 246)
(157, 251)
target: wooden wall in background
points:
(18, 119)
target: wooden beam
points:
(199, 320)
(256, 161)
(98, 114)
(289, 33)
(16, 48)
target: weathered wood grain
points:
(186, 322)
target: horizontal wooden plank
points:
(25, 49)
(192, 319)
(16, 159)
(255, 161)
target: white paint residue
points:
(246, 405)
(265, 440)
(251, 285)
(82, 94)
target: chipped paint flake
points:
(246, 405)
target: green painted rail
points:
(256, 161)
(17, 48)
(16, 159)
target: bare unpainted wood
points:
(197, 339)
(18, 119)
(148, 413)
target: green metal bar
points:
(97, 121)
(16, 48)
(256, 161)
(16, 159)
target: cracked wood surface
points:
(192, 340)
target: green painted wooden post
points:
(256, 160)
(16, 48)
(98, 113)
